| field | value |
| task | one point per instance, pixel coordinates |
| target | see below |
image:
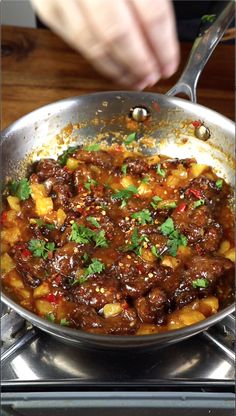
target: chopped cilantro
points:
(63, 158)
(146, 179)
(219, 184)
(130, 138)
(125, 194)
(90, 182)
(96, 266)
(161, 171)
(64, 322)
(92, 147)
(155, 252)
(208, 18)
(137, 242)
(124, 169)
(175, 238)
(85, 257)
(198, 203)
(41, 248)
(21, 189)
(155, 201)
(41, 224)
(202, 282)
(50, 316)
(93, 221)
(167, 227)
(100, 239)
(143, 216)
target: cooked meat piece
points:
(49, 168)
(99, 158)
(33, 269)
(67, 258)
(136, 166)
(97, 291)
(152, 308)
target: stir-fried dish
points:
(112, 242)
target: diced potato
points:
(14, 203)
(225, 246)
(197, 169)
(41, 290)
(38, 190)
(152, 160)
(112, 309)
(144, 190)
(61, 216)
(146, 329)
(14, 280)
(43, 206)
(43, 307)
(72, 163)
(189, 317)
(147, 255)
(174, 324)
(230, 254)
(127, 181)
(7, 263)
(24, 293)
(184, 251)
(170, 261)
(173, 181)
(11, 235)
(11, 217)
(208, 306)
(4, 247)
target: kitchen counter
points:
(39, 68)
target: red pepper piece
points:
(196, 123)
(195, 192)
(51, 298)
(80, 189)
(50, 255)
(58, 279)
(181, 208)
(26, 253)
(3, 216)
(119, 149)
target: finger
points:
(158, 24)
(116, 30)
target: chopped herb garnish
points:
(137, 242)
(155, 201)
(125, 194)
(96, 266)
(50, 316)
(167, 227)
(92, 147)
(161, 171)
(155, 252)
(41, 248)
(124, 169)
(21, 189)
(167, 205)
(202, 282)
(63, 158)
(64, 322)
(100, 239)
(90, 182)
(219, 184)
(198, 203)
(130, 138)
(41, 224)
(143, 216)
(93, 221)
(83, 235)
(175, 238)
(123, 204)
(146, 179)
(208, 18)
(85, 257)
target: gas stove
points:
(40, 373)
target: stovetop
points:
(33, 360)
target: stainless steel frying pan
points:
(105, 114)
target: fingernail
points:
(149, 81)
(169, 70)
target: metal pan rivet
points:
(202, 132)
(139, 114)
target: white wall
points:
(17, 13)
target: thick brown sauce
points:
(157, 256)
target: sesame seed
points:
(102, 290)
(103, 212)
(76, 250)
(165, 192)
(150, 274)
(121, 264)
(72, 221)
(145, 245)
(128, 257)
(126, 218)
(97, 289)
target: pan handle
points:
(201, 51)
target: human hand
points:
(132, 41)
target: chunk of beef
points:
(49, 168)
(98, 158)
(207, 189)
(136, 166)
(33, 269)
(86, 318)
(152, 308)
(97, 291)
(67, 258)
(207, 267)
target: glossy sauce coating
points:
(117, 243)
